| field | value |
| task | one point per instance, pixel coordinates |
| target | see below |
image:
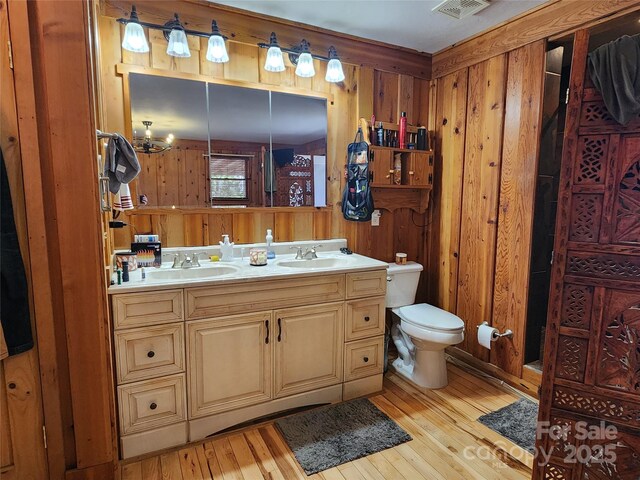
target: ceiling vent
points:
(461, 8)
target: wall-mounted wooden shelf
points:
(401, 196)
(400, 150)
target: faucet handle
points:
(176, 261)
(298, 252)
(195, 259)
(316, 246)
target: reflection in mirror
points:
(177, 175)
(239, 130)
(299, 141)
(231, 146)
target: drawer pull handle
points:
(366, 319)
(153, 405)
(266, 324)
(366, 359)
(151, 354)
(279, 329)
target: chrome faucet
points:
(188, 262)
(310, 253)
(176, 261)
(298, 252)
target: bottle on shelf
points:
(402, 130)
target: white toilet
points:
(422, 331)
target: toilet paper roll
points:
(486, 335)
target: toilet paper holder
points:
(508, 333)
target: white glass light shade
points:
(274, 62)
(334, 71)
(217, 51)
(134, 39)
(305, 66)
(178, 44)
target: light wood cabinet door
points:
(308, 348)
(418, 169)
(229, 362)
(380, 167)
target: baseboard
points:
(361, 387)
(201, 428)
(103, 471)
(152, 440)
(521, 384)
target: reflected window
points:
(228, 175)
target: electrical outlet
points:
(375, 218)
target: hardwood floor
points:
(448, 443)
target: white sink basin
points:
(190, 273)
(314, 263)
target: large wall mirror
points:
(227, 145)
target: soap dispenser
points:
(226, 249)
(269, 239)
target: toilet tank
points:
(403, 284)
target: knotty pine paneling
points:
(520, 150)
(364, 92)
(450, 124)
(481, 180)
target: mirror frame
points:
(124, 70)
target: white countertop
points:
(239, 271)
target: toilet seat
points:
(429, 317)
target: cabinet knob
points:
(153, 405)
(151, 354)
(412, 173)
(366, 359)
(366, 319)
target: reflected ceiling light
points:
(216, 51)
(305, 61)
(176, 35)
(274, 62)
(148, 145)
(178, 43)
(334, 68)
(302, 57)
(134, 39)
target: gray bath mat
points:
(329, 436)
(517, 422)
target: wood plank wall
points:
(487, 124)
(365, 91)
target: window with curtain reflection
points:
(228, 176)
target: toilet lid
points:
(425, 315)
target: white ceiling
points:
(408, 23)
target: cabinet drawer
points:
(366, 284)
(256, 296)
(365, 318)
(363, 358)
(151, 404)
(148, 308)
(149, 352)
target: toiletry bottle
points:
(380, 135)
(402, 133)
(269, 239)
(226, 249)
(125, 271)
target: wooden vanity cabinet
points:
(239, 351)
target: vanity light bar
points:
(302, 54)
(175, 33)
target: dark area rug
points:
(329, 436)
(517, 422)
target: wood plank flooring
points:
(448, 443)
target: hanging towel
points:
(121, 165)
(14, 299)
(615, 72)
(123, 201)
